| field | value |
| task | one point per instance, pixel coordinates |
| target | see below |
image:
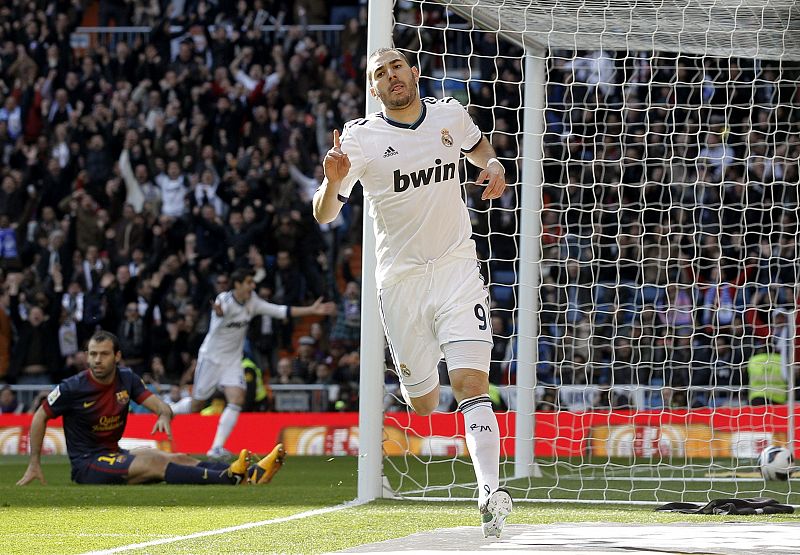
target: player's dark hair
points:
(241, 274)
(102, 335)
(384, 50)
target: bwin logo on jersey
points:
(434, 174)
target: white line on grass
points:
(219, 531)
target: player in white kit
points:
(219, 362)
(433, 300)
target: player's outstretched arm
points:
(319, 308)
(483, 156)
(34, 470)
(336, 165)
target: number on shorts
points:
(109, 460)
(480, 314)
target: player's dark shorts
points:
(102, 468)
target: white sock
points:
(483, 443)
(226, 423)
(184, 406)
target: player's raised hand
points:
(33, 472)
(336, 163)
(495, 173)
(323, 309)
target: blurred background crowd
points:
(138, 169)
(669, 222)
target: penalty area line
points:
(219, 531)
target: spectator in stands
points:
(348, 368)
(8, 401)
(174, 188)
(73, 364)
(288, 286)
(34, 357)
(676, 309)
(716, 154)
(718, 302)
(133, 341)
(6, 335)
(303, 363)
(727, 375)
(285, 374)
(347, 328)
(323, 374)
(766, 375)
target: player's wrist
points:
(495, 161)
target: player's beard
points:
(102, 372)
(403, 101)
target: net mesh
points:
(668, 270)
(756, 29)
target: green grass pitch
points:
(65, 518)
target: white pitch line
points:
(219, 531)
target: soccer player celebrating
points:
(219, 362)
(432, 298)
(94, 405)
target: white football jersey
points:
(224, 341)
(409, 173)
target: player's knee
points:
(234, 396)
(469, 364)
(426, 404)
(148, 466)
(468, 383)
(423, 407)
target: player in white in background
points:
(219, 362)
(432, 298)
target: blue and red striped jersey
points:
(94, 414)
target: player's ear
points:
(373, 92)
(117, 356)
(415, 73)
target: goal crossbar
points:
(766, 29)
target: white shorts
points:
(449, 303)
(208, 376)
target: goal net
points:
(643, 264)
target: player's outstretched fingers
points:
(495, 188)
(30, 476)
(488, 191)
(337, 143)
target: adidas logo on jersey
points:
(390, 152)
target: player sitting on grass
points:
(94, 406)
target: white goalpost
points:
(643, 264)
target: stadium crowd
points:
(669, 221)
(670, 252)
(136, 175)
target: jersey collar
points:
(102, 385)
(237, 300)
(414, 125)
